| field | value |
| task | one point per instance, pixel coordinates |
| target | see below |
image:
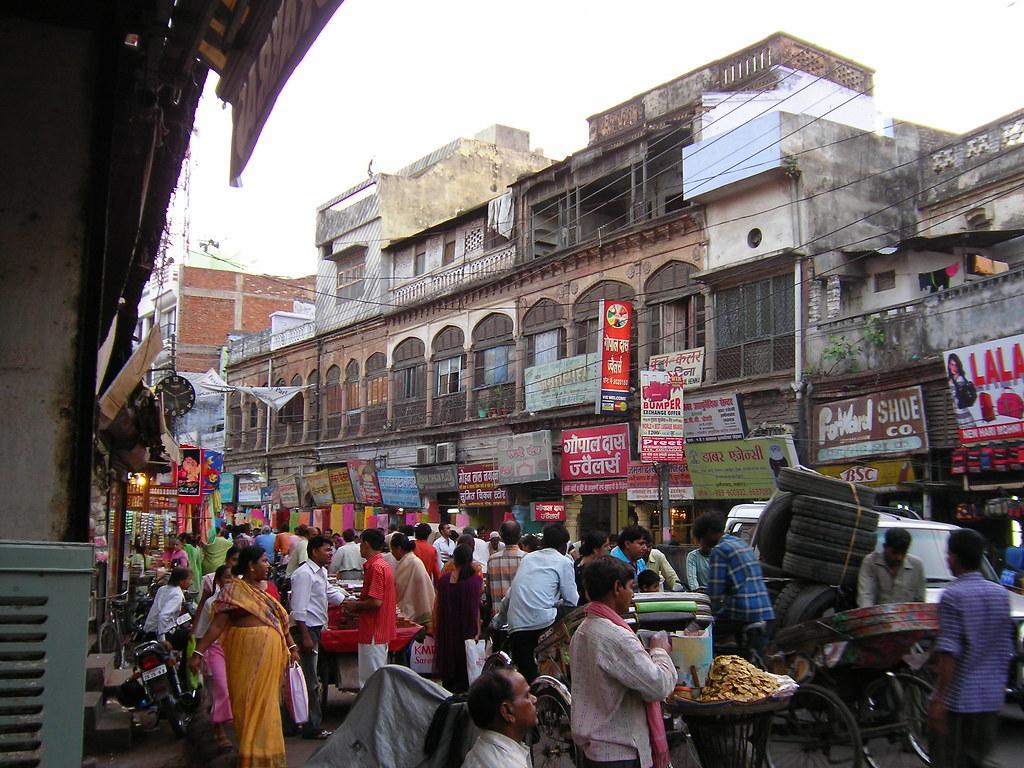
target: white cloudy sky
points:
(393, 79)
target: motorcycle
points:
(161, 682)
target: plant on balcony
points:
(874, 333)
(842, 353)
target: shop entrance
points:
(597, 514)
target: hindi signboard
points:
(249, 491)
(547, 511)
(288, 487)
(685, 368)
(713, 417)
(881, 423)
(227, 488)
(363, 473)
(739, 469)
(478, 486)
(644, 482)
(616, 324)
(661, 418)
(443, 478)
(595, 459)
(319, 486)
(986, 382)
(189, 475)
(398, 488)
(571, 381)
(341, 485)
(524, 458)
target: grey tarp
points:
(388, 722)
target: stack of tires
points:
(816, 529)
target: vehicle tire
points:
(816, 729)
(823, 531)
(106, 638)
(830, 511)
(810, 483)
(800, 602)
(829, 552)
(770, 534)
(820, 572)
(552, 745)
(175, 716)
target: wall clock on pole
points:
(177, 393)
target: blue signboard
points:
(398, 488)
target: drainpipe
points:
(266, 443)
(798, 385)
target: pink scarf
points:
(655, 724)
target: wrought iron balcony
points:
(455, 277)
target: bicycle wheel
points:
(553, 747)
(893, 716)
(106, 638)
(816, 729)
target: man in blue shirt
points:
(735, 582)
(265, 540)
(632, 548)
(975, 645)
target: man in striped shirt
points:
(975, 645)
(376, 606)
(502, 566)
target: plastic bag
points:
(298, 698)
(476, 653)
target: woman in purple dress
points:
(457, 618)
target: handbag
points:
(298, 697)
(476, 653)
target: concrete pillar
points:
(430, 388)
(364, 399)
(573, 506)
(470, 394)
(519, 357)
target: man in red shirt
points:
(425, 551)
(376, 607)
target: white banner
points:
(275, 397)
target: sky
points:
(391, 80)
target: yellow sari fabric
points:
(256, 659)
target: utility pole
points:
(664, 494)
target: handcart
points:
(858, 702)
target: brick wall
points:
(205, 320)
(217, 279)
(267, 285)
(256, 311)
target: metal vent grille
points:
(23, 633)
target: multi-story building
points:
(728, 205)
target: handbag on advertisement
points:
(476, 653)
(298, 698)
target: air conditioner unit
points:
(445, 453)
(424, 454)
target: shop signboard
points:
(442, 478)
(661, 418)
(595, 459)
(478, 486)
(189, 475)
(364, 481)
(881, 423)
(713, 418)
(615, 319)
(213, 465)
(524, 458)
(571, 381)
(398, 488)
(547, 511)
(319, 486)
(288, 487)
(739, 469)
(686, 368)
(267, 496)
(879, 473)
(986, 383)
(341, 485)
(644, 482)
(227, 488)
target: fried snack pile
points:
(735, 679)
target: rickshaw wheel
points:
(894, 721)
(816, 729)
(553, 746)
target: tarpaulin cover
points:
(388, 722)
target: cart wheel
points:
(893, 719)
(816, 729)
(553, 746)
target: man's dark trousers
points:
(968, 741)
(308, 662)
(522, 645)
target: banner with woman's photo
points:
(986, 384)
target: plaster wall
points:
(730, 220)
(42, 239)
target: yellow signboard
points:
(873, 473)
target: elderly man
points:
(504, 710)
(892, 575)
(975, 644)
(616, 682)
(347, 563)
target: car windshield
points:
(929, 544)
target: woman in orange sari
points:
(253, 630)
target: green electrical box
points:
(44, 614)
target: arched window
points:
(332, 400)
(584, 313)
(352, 386)
(311, 418)
(235, 425)
(410, 383)
(448, 361)
(293, 411)
(376, 391)
(281, 427)
(492, 348)
(254, 415)
(675, 309)
(544, 328)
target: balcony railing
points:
(440, 283)
(264, 341)
(497, 400)
(376, 419)
(410, 414)
(449, 409)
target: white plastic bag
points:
(476, 653)
(423, 656)
(298, 698)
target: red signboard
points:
(595, 454)
(478, 486)
(986, 383)
(616, 319)
(363, 474)
(548, 511)
(189, 475)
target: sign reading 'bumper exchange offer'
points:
(595, 459)
(739, 469)
(661, 418)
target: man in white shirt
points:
(504, 710)
(544, 580)
(481, 550)
(310, 596)
(347, 563)
(444, 545)
(163, 614)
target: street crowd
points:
(461, 586)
